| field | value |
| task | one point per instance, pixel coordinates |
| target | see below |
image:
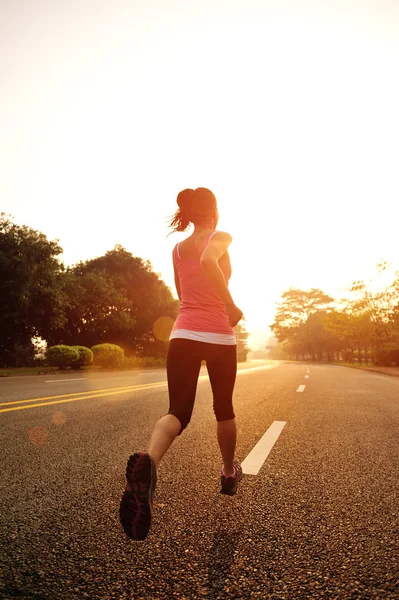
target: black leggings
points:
(183, 367)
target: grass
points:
(27, 371)
(145, 362)
(394, 371)
(356, 365)
(139, 363)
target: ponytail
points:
(182, 217)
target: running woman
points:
(203, 330)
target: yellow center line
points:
(87, 393)
(75, 396)
(82, 395)
(98, 395)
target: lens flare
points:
(59, 418)
(162, 328)
(38, 435)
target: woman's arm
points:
(210, 265)
(177, 280)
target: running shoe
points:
(230, 484)
(136, 503)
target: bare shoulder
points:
(217, 247)
(222, 237)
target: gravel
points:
(319, 521)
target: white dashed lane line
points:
(301, 388)
(64, 380)
(252, 464)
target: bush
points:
(108, 355)
(85, 357)
(395, 356)
(387, 357)
(140, 362)
(242, 353)
(62, 356)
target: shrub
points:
(387, 357)
(395, 356)
(62, 356)
(242, 354)
(139, 362)
(85, 357)
(108, 355)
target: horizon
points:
(259, 336)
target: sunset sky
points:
(287, 110)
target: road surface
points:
(318, 520)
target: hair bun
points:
(184, 198)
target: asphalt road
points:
(320, 520)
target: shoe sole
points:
(136, 504)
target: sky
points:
(287, 111)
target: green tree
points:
(116, 299)
(30, 300)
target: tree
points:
(371, 313)
(321, 339)
(241, 337)
(295, 308)
(30, 300)
(365, 325)
(293, 319)
(116, 299)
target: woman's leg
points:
(222, 369)
(163, 435)
(183, 367)
(227, 437)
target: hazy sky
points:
(287, 110)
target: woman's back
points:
(193, 246)
(201, 307)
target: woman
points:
(203, 331)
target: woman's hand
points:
(234, 313)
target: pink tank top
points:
(201, 308)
